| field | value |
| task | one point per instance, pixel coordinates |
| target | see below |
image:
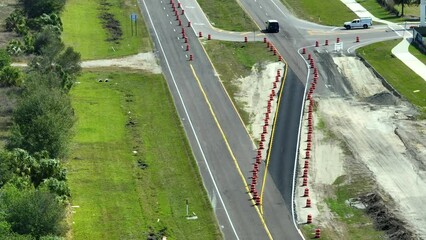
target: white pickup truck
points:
(364, 22)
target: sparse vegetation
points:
(109, 23)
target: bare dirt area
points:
(253, 93)
(377, 133)
(141, 61)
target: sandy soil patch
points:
(325, 166)
(364, 83)
(370, 135)
(140, 61)
(254, 93)
(378, 130)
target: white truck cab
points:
(364, 22)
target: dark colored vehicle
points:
(272, 26)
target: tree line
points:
(34, 192)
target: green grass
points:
(352, 223)
(116, 198)
(413, 49)
(378, 11)
(233, 60)
(358, 224)
(331, 12)
(411, 10)
(227, 15)
(402, 78)
(84, 32)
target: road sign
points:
(338, 47)
(133, 16)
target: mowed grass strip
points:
(227, 15)
(234, 60)
(83, 29)
(116, 198)
(378, 11)
(413, 49)
(330, 12)
(401, 77)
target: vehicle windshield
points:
(273, 24)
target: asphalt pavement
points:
(215, 131)
(222, 147)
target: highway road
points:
(221, 145)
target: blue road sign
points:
(133, 16)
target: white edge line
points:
(351, 49)
(302, 110)
(190, 122)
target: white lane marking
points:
(298, 140)
(279, 9)
(171, 22)
(260, 6)
(174, 30)
(351, 49)
(199, 24)
(190, 122)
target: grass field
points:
(331, 12)
(84, 32)
(378, 11)
(118, 199)
(405, 81)
(417, 53)
(227, 15)
(235, 59)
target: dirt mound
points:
(382, 98)
(384, 219)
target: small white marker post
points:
(194, 216)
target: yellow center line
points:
(231, 153)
